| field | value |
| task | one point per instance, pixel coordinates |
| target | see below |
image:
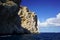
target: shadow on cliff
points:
(17, 30)
(14, 27)
(24, 30)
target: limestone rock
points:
(28, 19)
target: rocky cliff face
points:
(9, 19)
(28, 19)
(15, 19)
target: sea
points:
(40, 36)
(48, 36)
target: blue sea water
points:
(41, 36)
(48, 36)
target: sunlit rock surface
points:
(28, 19)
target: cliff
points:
(17, 20)
(28, 19)
(9, 19)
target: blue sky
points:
(48, 12)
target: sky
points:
(48, 13)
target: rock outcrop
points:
(16, 20)
(28, 19)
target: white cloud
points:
(38, 22)
(55, 21)
(38, 25)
